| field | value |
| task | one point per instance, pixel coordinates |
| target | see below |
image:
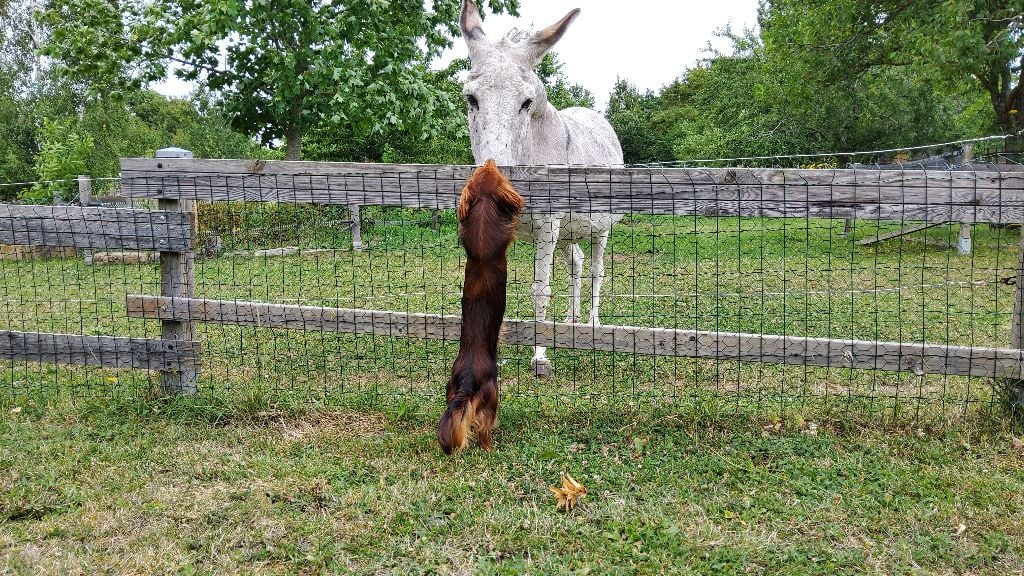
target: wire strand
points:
(826, 154)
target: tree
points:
(17, 141)
(978, 39)
(278, 66)
(20, 37)
(561, 92)
(65, 148)
(95, 45)
(142, 121)
(755, 101)
(449, 141)
(632, 115)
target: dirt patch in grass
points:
(326, 424)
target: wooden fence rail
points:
(925, 195)
(99, 228)
(105, 351)
(804, 351)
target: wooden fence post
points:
(963, 243)
(177, 280)
(1014, 388)
(357, 230)
(85, 199)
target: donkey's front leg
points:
(597, 246)
(546, 234)
(574, 264)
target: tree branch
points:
(194, 65)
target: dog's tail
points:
(454, 428)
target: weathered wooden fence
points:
(90, 228)
(926, 196)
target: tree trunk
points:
(293, 142)
(1009, 109)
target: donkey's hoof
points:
(541, 367)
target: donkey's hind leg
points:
(597, 247)
(546, 235)
(574, 264)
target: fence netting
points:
(803, 276)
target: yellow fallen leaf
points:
(569, 494)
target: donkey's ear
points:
(543, 41)
(470, 22)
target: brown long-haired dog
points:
(488, 213)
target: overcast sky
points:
(648, 42)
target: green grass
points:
(190, 487)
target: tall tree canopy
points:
(278, 66)
(561, 92)
(758, 100)
(19, 40)
(449, 143)
(979, 39)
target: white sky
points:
(648, 42)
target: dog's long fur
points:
(488, 217)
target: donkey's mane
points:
(517, 36)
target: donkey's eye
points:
(526, 105)
(473, 103)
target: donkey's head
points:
(502, 92)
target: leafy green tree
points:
(63, 117)
(978, 39)
(97, 45)
(142, 121)
(448, 143)
(278, 67)
(632, 115)
(561, 92)
(65, 148)
(756, 101)
(19, 39)
(202, 127)
(17, 141)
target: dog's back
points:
(488, 208)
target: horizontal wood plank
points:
(989, 178)
(865, 193)
(95, 228)
(836, 353)
(105, 351)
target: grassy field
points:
(189, 487)
(315, 453)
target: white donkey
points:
(511, 121)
